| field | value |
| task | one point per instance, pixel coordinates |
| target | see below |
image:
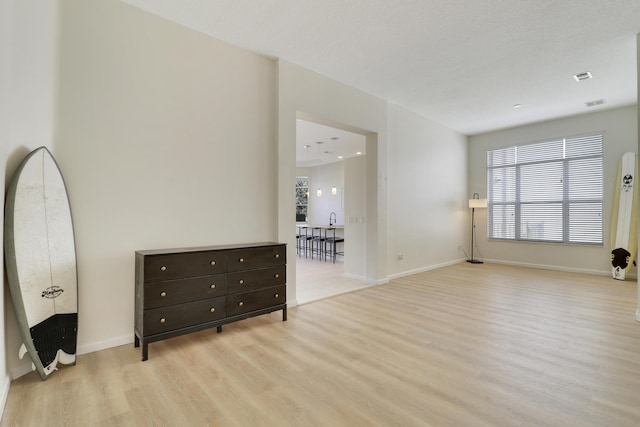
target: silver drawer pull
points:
(163, 320)
(213, 263)
(276, 295)
(277, 255)
(241, 260)
(163, 268)
(276, 275)
(212, 309)
(241, 282)
(212, 286)
(163, 294)
(240, 303)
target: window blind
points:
(549, 191)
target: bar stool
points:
(303, 240)
(329, 241)
(333, 247)
(317, 242)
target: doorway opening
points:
(331, 162)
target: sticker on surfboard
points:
(40, 258)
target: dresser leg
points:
(284, 314)
(145, 350)
(136, 341)
(219, 329)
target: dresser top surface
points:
(207, 248)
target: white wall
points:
(6, 135)
(155, 148)
(148, 121)
(428, 217)
(28, 72)
(620, 128)
(401, 146)
(355, 231)
(325, 177)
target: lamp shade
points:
(477, 203)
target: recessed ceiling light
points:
(319, 142)
(307, 146)
(340, 157)
(583, 76)
(516, 106)
(334, 138)
(358, 153)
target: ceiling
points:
(318, 144)
(461, 63)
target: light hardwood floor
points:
(465, 345)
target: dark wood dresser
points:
(179, 291)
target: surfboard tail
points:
(58, 332)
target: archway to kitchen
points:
(331, 164)
(306, 95)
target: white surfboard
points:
(40, 258)
(624, 220)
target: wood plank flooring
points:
(465, 345)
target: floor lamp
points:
(475, 202)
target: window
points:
(302, 198)
(547, 192)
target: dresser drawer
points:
(250, 280)
(250, 301)
(160, 294)
(186, 264)
(250, 258)
(178, 316)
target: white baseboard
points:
(365, 280)
(423, 269)
(4, 394)
(103, 345)
(554, 267)
(21, 370)
(354, 277)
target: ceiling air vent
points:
(594, 103)
(583, 76)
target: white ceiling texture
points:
(462, 63)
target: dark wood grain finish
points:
(177, 266)
(251, 280)
(181, 315)
(179, 291)
(160, 294)
(251, 301)
(251, 258)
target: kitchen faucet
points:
(332, 215)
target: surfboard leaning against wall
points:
(624, 220)
(40, 259)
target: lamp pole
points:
(473, 227)
(475, 202)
